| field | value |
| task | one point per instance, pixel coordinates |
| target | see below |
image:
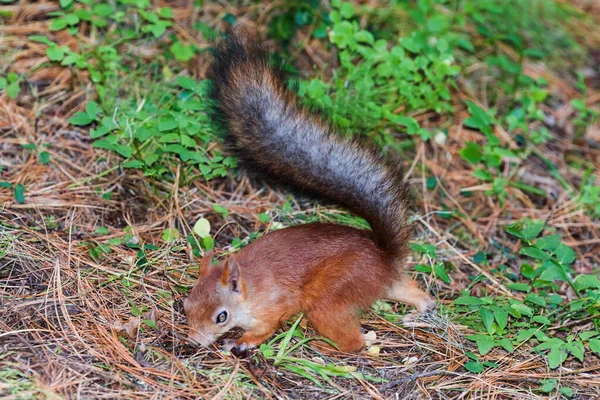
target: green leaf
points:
(221, 210)
(182, 53)
(586, 281)
(202, 228)
(488, 319)
(566, 391)
(365, 37)
(520, 287)
(133, 164)
(594, 345)
(480, 118)
(527, 271)
(80, 118)
(44, 157)
(159, 28)
(186, 82)
(501, 317)
(65, 3)
(6, 185)
(440, 272)
(96, 133)
(58, 24)
(124, 150)
(264, 218)
(471, 153)
(526, 334)
(522, 308)
(41, 39)
(564, 254)
(555, 299)
(208, 243)
(482, 175)
(103, 10)
(437, 23)
(556, 357)
(135, 311)
(12, 90)
(540, 319)
(549, 242)
(166, 12)
(167, 124)
(170, 138)
(553, 272)
(529, 232)
(347, 10)
(92, 109)
(549, 344)
(169, 235)
(474, 366)
(536, 299)
(266, 350)
(548, 385)
(468, 301)
(588, 335)
(506, 345)
(150, 323)
(411, 124)
(19, 193)
(485, 344)
(71, 19)
(187, 141)
(115, 241)
(577, 349)
(534, 252)
(102, 230)
(55, 53)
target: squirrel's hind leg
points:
(341, 325)
(407, 291)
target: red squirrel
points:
(329, 272)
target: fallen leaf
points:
(130, 328)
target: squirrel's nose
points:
(201, 338)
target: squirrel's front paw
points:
(230, 344)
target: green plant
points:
(294, 15)
(10, 84)
(376, 79)
(292, 340)
(436, 268)
(510, 321)
(538, 25)
(589, 195)
(585, 116)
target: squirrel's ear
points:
(206, 263)
(232, 275)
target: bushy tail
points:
(287, 145)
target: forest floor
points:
(108, 161)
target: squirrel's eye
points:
(222, 317)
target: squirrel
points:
(327, 271)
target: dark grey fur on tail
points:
(278, 139)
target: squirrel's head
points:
(216, 303)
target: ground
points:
(113, 184)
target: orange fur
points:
(329, 272)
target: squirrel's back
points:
(281, 141)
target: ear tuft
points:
(232, 275)
(206, 263)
